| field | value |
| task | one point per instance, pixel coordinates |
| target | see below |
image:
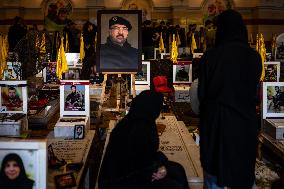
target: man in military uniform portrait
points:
(117, 54)
(74, 100)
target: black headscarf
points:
(22, 181)
(230, 27)
(148, 104)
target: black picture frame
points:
(109, 60)
(79, 131)
(66, 180)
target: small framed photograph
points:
(66, 180)
(273, 99)
(13, 71)
(79, 131)
(165, 55)
(72, 74)
(73, 59)
(119, 41)
(30, 156)
(49, 73)
(74, 97)
(183, 52)
(197, 55)
(13, 96)
(143, 77)
(272, 71)
(182, 72)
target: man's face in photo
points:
(73, 89)
(12, 93)
(119, 33)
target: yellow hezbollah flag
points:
(42, 48)
(161, 44)
(178, 39)
(61, 66)
(260, 48)
(82, 50)
(174, 51)
(3, 54)
(193, 44)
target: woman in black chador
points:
(13, 174)
(132, 159)
(227, 90)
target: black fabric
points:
(22, 181)
(113, 56)
(228, 79)
(132, 153)
(15, 34)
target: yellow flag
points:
(193, 44)
(61, 66)
(42, 48)
(3, 54)
(161, 44)
(260, 48)
(82, 50)
(174, 51)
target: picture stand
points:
(118, 96)
(13, 108)
(74, 109)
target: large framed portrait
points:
(49, 73)
(30, 156)
(74, 97)
(143, 77)
(119, 41)
(182, 72)
(13, 96)
(273, 99)
(272, 71)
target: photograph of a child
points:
(11, 98)
(270, 72)
(74, 97)
(79, 132)
(17, 173)
(51, 73)
(182, 73)
(275, 99)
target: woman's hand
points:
(160, 174)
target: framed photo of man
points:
(74, 97)
(272, 71)
(13, 96)
(119, 41)
(182, 72)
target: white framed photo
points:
(272, 71)
(182, 72)
(73, 59)
(13, 71)
(49, 73)
(13, 97)
(143, 77)
(197, 55)
(273, 99)
(30, 157)
(165, 55)
(74, 97)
